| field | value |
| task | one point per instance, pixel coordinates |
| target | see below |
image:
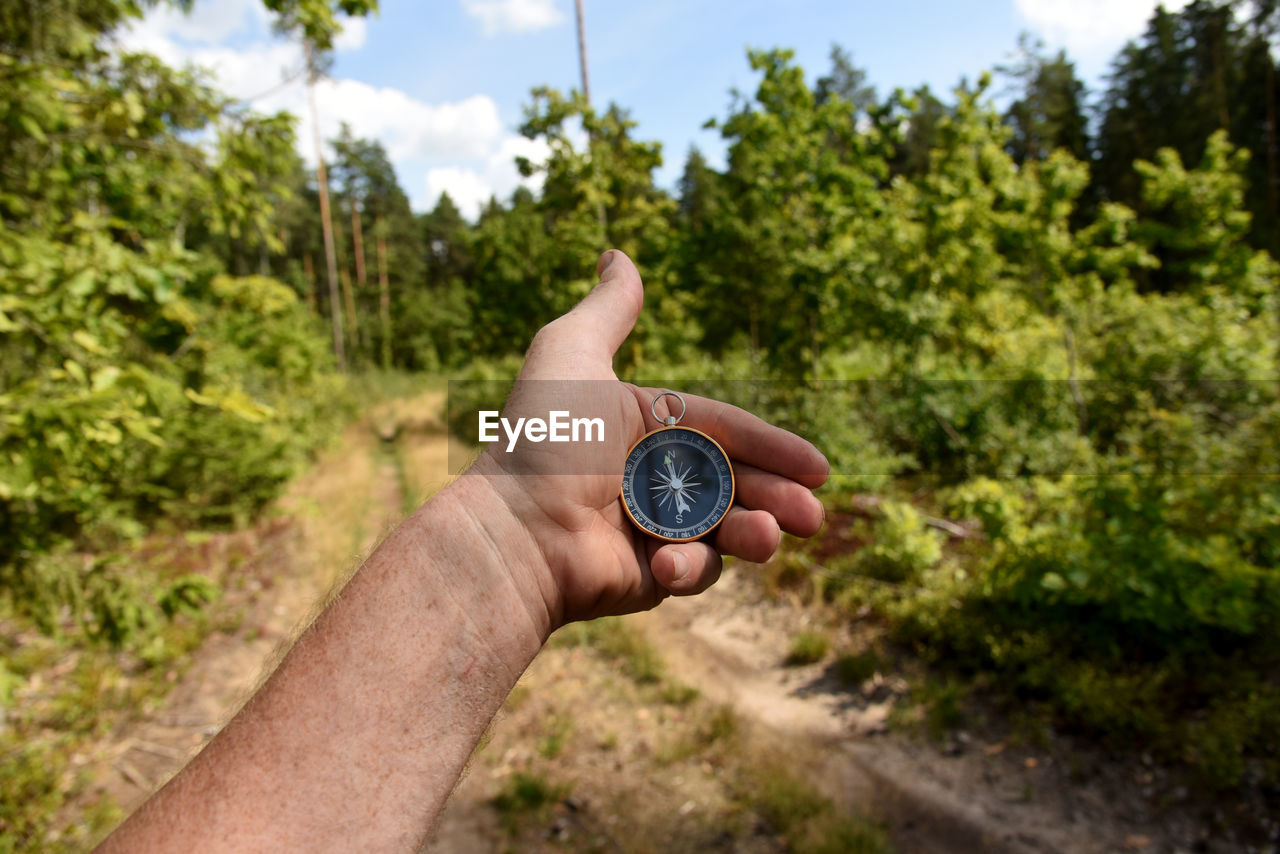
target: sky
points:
(443, 84)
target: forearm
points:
(363, 730)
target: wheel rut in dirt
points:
(957, 797)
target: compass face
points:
(677, 484)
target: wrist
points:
(503, 552)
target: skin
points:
(359, 736)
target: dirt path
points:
(632, 767)
(296, 558)
(966, 794)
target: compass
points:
(677, 484)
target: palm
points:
(599, 558)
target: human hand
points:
(594, 562)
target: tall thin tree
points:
(582, 51)
(326, 224)
(384, 293)
(601, 215)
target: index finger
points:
(746, 437)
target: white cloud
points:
(513, 16)
(460, 146)
(210, 21)
(1090, 27)
(408, 127)
(248, 72)
(353, 35)
(472, 188)
(466, 187)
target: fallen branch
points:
(959, 530)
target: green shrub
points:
(904, 546)
(140, 387)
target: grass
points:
(807, 647)
(808, 821)
(60, 693)
(676, 693)
(556, 730)
(712, 727)
(526, 796)
(618, 642)
(742, 786)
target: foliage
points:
(140, 384)
(527, 794)
(139, 387)
(528, 257)
(904, 546)
(781, 236)
(1205, 68)
(1050, 114)
(1095, 387)
(808, 821)
(317, 20)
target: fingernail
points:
(610, 255)
(681, 565)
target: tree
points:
(140, 381)
(368, 188)
(445, 241)
(326, 217)
(1049, 111)
(909, 123)
(315, 23)
(786, 251)
(1197, 226)
(846, 81)
(1206, 68)
(437, 313)
(614, 171)
(516, 286)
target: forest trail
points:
(970, 791)
(678, 730)
(383, 464)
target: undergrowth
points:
(1049, 607)
(70, 677)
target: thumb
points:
(606, 316)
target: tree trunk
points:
(384, 298)
(326, 224)
(264, 258)
(357, 237)
(349, 294)
(1272, 178)
(308, 268)
(582, 52)
(601, 215)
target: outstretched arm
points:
(360, 734)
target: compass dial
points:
(677, 484)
